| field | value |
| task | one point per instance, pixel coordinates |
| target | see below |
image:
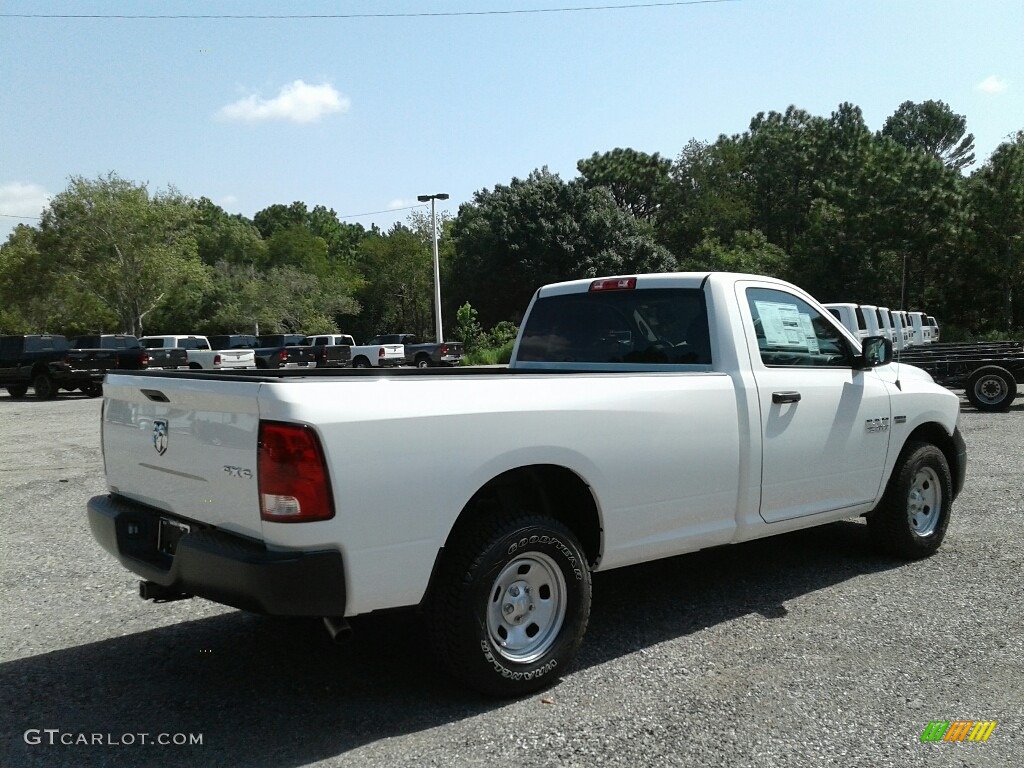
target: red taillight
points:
(444, 349)
(614, 284)
(380, 352)
(144, 360)
(284, 355)
(292, 475)
(216, 359)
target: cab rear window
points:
(654, 326)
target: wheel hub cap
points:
(924, 502)
(527, 607)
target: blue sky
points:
(363, 114)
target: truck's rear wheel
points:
(17, 390)
(360, 362)
(911, 520)
(422, 361)
(991, 388)
(511, 604)
(45, 387)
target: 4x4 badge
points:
(160, 436)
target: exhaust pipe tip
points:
(158, 593)
(338, 628)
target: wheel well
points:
(39, 368)
(552, 490)
(936, 435)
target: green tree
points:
(398, 293)
(996, 204)
(221, 236)
(934, 128)
(468, 329)
(538, 230)
(709, 195)
(637, 181)
(120, 244)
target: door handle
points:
(785, 397)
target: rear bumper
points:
(220, 566)
(390, 362)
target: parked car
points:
(40, 361)
(117, 351)
(282, 350)
(423, 354)
(332, 350)
(378, 355)
(201, 354)
(641, 417)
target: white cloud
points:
(398, 203)
(16, 200)
(228, 200)
(992, 84)
(298, 102)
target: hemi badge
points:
(877, 425)
(900, 420)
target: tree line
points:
(894, 217)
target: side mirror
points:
(875, 351)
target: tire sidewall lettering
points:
(551, 541)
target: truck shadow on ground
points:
(272, 692)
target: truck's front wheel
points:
(511, 604)
(912, 518)
(17, 390)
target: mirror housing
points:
(875, 351)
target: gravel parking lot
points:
(803, 650)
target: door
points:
(825, 424)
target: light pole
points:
(437, 268)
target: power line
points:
(510, 12)
(371, 213)
(12, 216)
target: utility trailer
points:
(989, 372)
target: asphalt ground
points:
(802, 650)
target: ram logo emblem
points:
(160, 435)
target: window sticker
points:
(809, 335)
(782, 325)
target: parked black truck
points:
(117, 351)
(41, 361)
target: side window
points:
(790, 332)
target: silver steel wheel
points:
(990, 389)
(924, 502)
(526, 608)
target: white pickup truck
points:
(641, 417)
(201, 354)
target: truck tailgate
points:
(187, 447)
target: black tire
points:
(510, 604)
(195, 366)
(360, 362)
(92, 389)
(45, 387)
(422, 361)
(991, 388)
(17, 390)
(911, 520)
